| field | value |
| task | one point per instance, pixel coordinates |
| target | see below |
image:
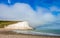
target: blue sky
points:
(34, 3)
(36, 12)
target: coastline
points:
(9, 34)
(35, 33)
(14, 35)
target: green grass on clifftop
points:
(6, 23)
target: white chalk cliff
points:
(20, 25)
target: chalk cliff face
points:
(20, 25)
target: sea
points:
(47, 29)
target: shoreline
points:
(26, 32)
(14, 35)
(35, 33)
(9, 34)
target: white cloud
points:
(22, 11)
(54, 8)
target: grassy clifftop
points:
(5, 23)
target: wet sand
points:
(9, 34)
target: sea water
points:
(48, 29)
